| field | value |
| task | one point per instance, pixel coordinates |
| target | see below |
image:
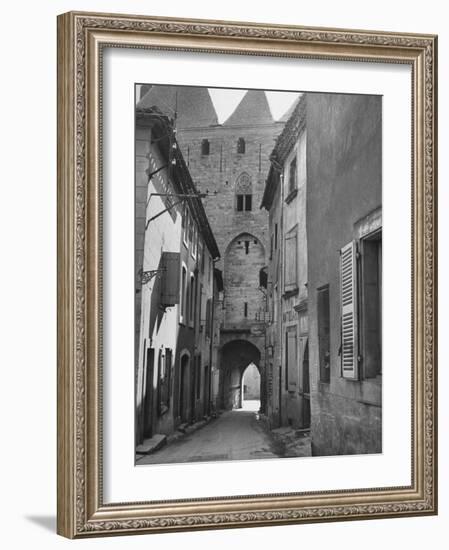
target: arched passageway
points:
(236, 357)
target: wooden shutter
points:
(291, 255)
(170, 278)
(348, 296)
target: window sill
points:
(291, 292)
(291, 195)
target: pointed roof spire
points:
(252, 109)
(193, 104)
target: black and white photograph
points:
(258, 274)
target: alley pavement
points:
(235, 435)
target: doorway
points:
(148, 400)
(184, 389)
(306, 386)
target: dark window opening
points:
(243, 191)
(244, 203)
(371, 311)
(292, 178)
(166, 382)
(241, 146)
(245, 309)
(246, 247)
(324, 333)
(205, 147)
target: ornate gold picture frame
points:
(82, 40)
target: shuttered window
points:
(348, 296)
(170, 290)
(290, 263)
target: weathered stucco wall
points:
(344, 176)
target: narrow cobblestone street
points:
(235, 435)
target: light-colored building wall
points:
(158, 327)
(175, 254)
(344, 199)
(287, 335)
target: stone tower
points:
(231, 162)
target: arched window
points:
(205, 147)
(244, 193)
(241, 146)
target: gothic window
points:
(244, 193)
(241, 146)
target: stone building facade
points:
(287, 333)
(344, 231)
(174, 298)
(230, 162)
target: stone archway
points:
(236, 355)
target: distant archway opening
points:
(251, 388)
(236, 357)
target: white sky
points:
(226, 100)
